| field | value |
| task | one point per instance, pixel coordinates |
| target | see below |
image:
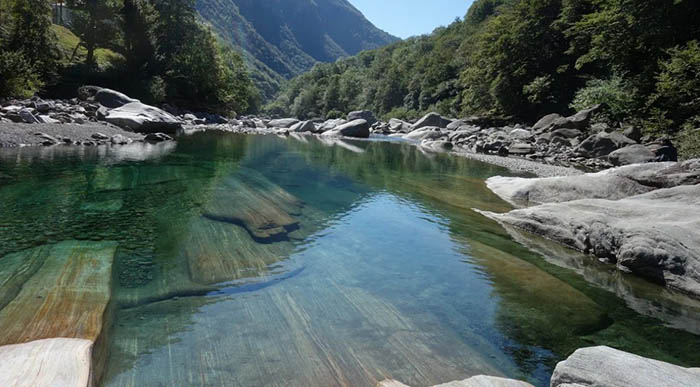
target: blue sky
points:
(404, 18)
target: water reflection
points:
(249, 260)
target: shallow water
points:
(257, 260)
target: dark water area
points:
(259, 260)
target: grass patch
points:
(67, 41)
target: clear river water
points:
(265, 261)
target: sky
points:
(405, 18)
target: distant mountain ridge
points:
(284, 38)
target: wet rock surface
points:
(642, 218)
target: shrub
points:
(688, 140)
(617, 98)
(17, 76)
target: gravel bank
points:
(14, 135)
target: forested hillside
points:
(156, 50)
(284, 38)
(521, 59)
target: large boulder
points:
(425, 133)
(602, 144)
(432, 119)
(330, 124)
(607, 367)
(363, 115)
(631, 154)
(282, 123)
(142, 118)
(611, 184)
(580, 121)
(112, 99)
(303, 127)
(663, 150)
(399, 126)
(356, 128)
(653, 235)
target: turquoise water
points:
(258, 260)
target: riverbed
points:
(239, 260)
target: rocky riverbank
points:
(594, 367)
(642, 218)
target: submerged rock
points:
(607, 367)
(253, 202)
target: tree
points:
(137, 18)
(93, 22)
(27, 47)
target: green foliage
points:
(17, 78)
(616, 96)
(678, 84)
(93, 23)
(28, 52)
(522, 59)
(688, 140)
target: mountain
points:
(284, 38)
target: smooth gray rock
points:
(399, 126)
(139, 117)
(612, 184)
(362, 115)
(663, 150)
(282, 123)
(157, 137)
(302, 127)
(566, 133)
(633, 132)
(356, 128)
(607, 367)
(330, 124)
(112, 99)
(28, 117)
(520, 134)
(582, 119)
(474, 381)
(463, 133)
(602, 144)
(654, 235)
(425, 133)
(436, 146)
(521, 148)
(631, 154)
(432, 119)
(546, 122)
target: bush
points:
(688, 140)
(333, 114)
(17, 76)
(678, 84)
(617, 98)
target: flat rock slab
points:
(654, 235)
(474, 381)
(60, 290)
(250, 200)
(612, 184)
(46, 363)
(218, 252)
(14, 135)
(607, 367)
